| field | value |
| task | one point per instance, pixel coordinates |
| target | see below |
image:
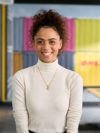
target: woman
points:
(47, 98)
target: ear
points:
(60, 44)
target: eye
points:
(39, 42)
(52, 42)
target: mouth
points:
(46, 53)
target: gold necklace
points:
(47, 85)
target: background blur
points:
(81, 54)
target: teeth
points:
(46, 53)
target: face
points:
(47, 44)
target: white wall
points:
(75, 11)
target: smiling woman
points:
(47, 45)
(47, 98)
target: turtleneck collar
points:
(47, 66)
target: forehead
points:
(47, 32)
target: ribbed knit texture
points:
(44, 110)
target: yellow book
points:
(87, 35)
(88, 65)
(17, 61)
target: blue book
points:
(18, 34)
(29, 59)
(66, 60)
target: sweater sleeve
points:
(75, 104)
(18, 102)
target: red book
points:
(28, 46)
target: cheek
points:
(57, 48)
(36, 47)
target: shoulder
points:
(24, 72)
(67, 71)
(75, 81)
(71, 75)
(76, 76)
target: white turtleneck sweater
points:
(43, 110)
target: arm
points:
(18, 102)
(75, 104)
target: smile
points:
(46, 53)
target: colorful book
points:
(28, 46)
(9, 32)
(66, 60)
(87, 35)
(29, 59)
(18, 34)
(17, 61)
(69, 26)
(88, 65)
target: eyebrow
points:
(44, 39)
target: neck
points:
(47, 66)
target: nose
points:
(46, 45)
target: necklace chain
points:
(47, 85)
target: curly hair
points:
(51, 19)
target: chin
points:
(47, 61)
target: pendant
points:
(47, 87)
